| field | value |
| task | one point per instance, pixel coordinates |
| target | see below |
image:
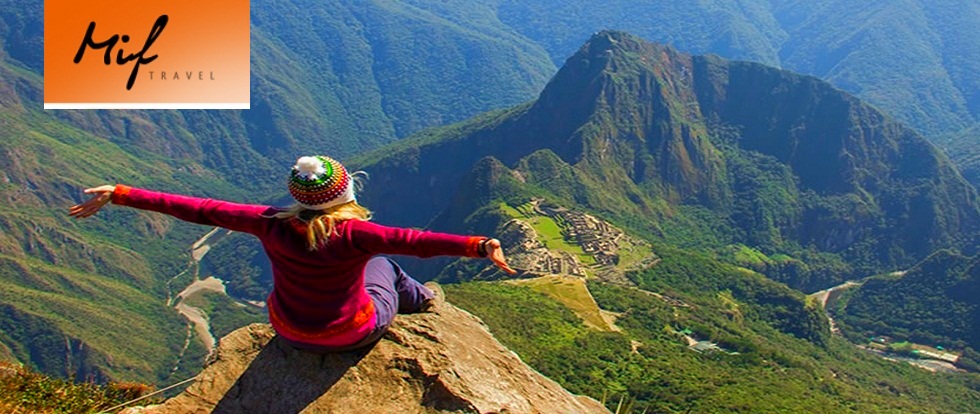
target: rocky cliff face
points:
(445, 361)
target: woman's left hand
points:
(496, 254)
(101, 196)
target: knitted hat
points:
(320, 182)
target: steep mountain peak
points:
(613, 66)
(641, 131)
(627, 105)
(444, 361)
(611, 46)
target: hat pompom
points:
(310, 168)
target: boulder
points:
(444, 361)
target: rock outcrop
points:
(444, 361)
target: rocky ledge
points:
(438, 362)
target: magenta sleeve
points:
(247, 218)
(377, 239)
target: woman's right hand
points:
(101, 196)
(496, 254)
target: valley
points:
(196, 301)
(195, 316)
(932, 358)
(919, 355)
(827, 299)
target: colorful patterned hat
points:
(320, 182)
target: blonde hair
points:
(321, 224)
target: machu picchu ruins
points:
(548, 239)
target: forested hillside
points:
(936, 302)
(650, 366)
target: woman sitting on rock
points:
(330, 293)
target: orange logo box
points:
(146, 54)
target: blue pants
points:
(393, 292)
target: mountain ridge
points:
(841, 42)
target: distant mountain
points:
(334, 81)
(90, 299)
(916, 59)
(375, 72)
(697, 151)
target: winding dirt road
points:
(824, 296)
(197, 320)
(195, 315)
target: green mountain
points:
(805, 182)
(664, 143)
(333, 81)
(90, 299)
(936, 302)
(913, 58)
(375, 71)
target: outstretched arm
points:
(239, 217)
(377, 239)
